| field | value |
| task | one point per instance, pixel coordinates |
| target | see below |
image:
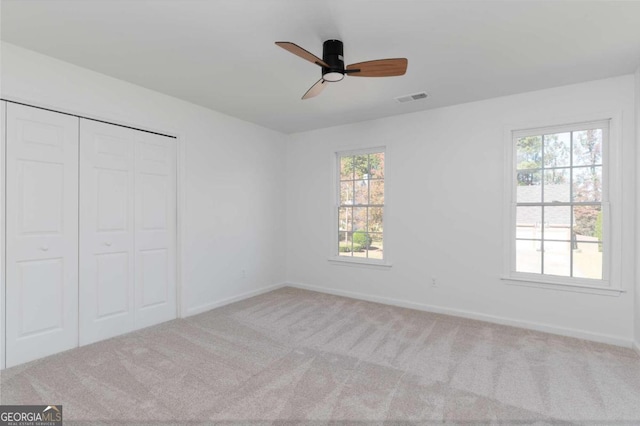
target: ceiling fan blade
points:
(378, 68)
(299, 51)
(316, 89)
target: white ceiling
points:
(221, 53)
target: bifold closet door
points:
(127, 230)
(155, 230)
(107, 224)
(41, 233)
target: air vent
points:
(412, 97)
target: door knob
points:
(107, 243)
(44, 248)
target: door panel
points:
(40, 279)
(113, 284)
(44, 184)
(155, 229)
(106, 231)
(41, 233)
(113, 190)
(154, 277)
(154, 190)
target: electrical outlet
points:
(244, 273)
(433, 282)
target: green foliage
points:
(529, 152)
(556, 150)
(376, 238)
(361, 164)
(362, 239)
(587, 151)
(530, 159)
(598, 230)
(585, 220)
(345, 247)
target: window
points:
(559, 209)
(360, 205)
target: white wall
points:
(233, 215)
(637, 304)
(445, 181)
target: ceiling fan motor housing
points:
(332, 54)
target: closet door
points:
(42, 233)
(106, 230)
(155, 239)
(3, 133)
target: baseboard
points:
(546, 328)
(209, 306)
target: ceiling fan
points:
(333, 68)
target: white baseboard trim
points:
(546, 328)
(209, 306)
(636, 346)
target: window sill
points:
(562, 285)
(365, 263)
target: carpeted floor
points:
(294, 356)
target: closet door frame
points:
(117, 119)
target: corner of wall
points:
(288, 141)
(637, 263)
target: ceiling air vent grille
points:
(412, 97)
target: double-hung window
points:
(360, 205)
(559, 209)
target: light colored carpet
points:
(293, 356)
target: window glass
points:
(558, 181)
(361, 205)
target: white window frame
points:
(610, 284)
(334, 255)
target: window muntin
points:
(560, 202)
(361, 205)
